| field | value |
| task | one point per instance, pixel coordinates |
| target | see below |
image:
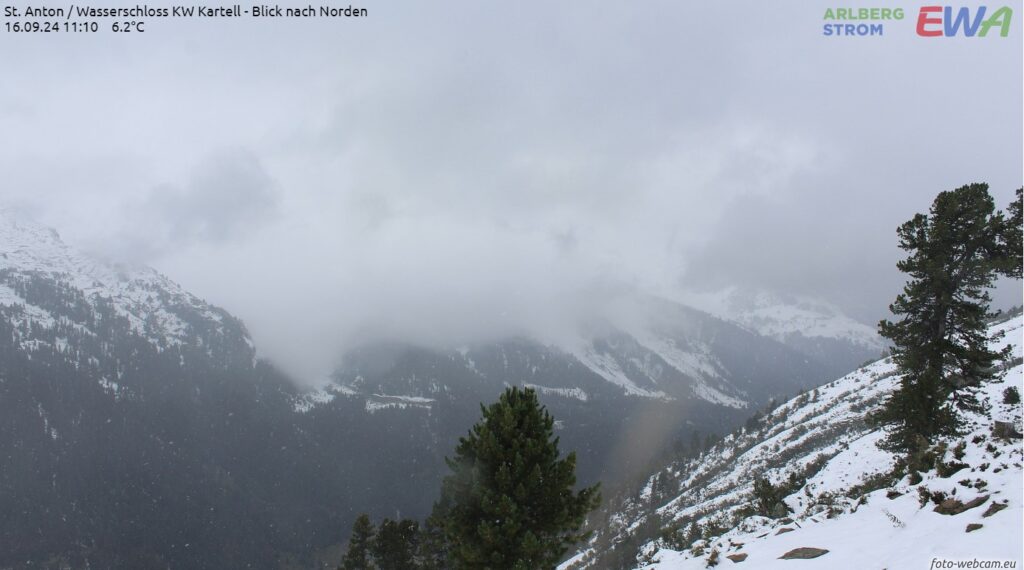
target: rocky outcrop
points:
(804, 553)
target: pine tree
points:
(940, 345)
(1011, 396)
(1013, 235)
(693, 534)
(358, 555)
(395, 546)
(768, 499)
(433, 546)
(511, 498)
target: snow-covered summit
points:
(27, 246)
(44, 281)
(780, 317)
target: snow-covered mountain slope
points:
(818, 328)
(820, 454)
(47, 287)
(662, 351)
(624, 389)
(136, 430)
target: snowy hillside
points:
(46, 285)
(663, 351)
(814, 327)
(818, 451)
(661, 373)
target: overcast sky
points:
(464, 167)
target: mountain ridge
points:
(152, 305)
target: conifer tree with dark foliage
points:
(509, 500)
(358, 555)
(433, 546)
(395, 546)
(1013, 237)
(768, 499)
(940, 345)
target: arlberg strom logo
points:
(875, 18)
(932, 21)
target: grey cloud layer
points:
(451, 170)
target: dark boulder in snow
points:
(955, 507)
(1005, 430)
(803, 553)
(993, 509)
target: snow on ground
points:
(379, 402)
(695, 362)
(305, 402)
(605, 366)
(576, 393)
(897, 532)
(822, 437)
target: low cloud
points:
(225, 198)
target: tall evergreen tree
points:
(358, 555)
(1013, 236)
(940, 345)
(510, 498)
(394, 547)
(433, 546)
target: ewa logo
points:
(938, 21)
